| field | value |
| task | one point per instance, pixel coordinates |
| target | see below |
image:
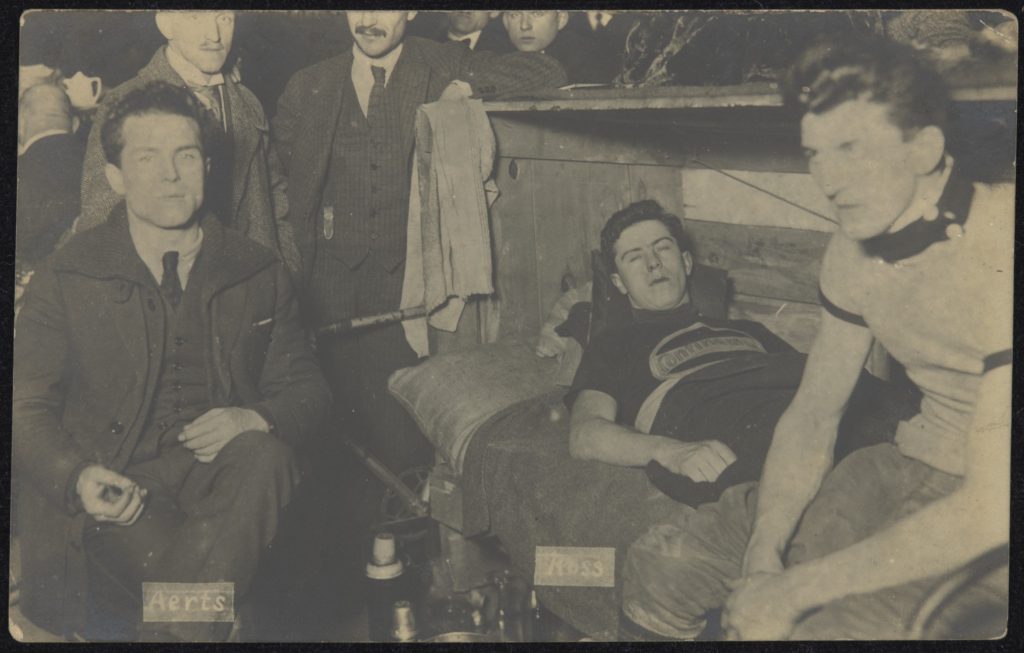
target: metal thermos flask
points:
(385, 583)
(403, 627)
(533, 621)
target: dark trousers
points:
(202, 522)
(357, 364)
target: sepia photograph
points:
(513, 325)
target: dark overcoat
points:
(87, 356)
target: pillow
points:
(451, 395)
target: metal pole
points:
(401, 490)
(345, 326)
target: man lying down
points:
(693, 398)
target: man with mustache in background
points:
(344, 131)
(475, 29)
(245, 187)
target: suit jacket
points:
(305, 125)
(258, 196)
(86, 363)
(49, 174)
(493, 38)
(609, 42)
(579, 54)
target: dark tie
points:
(209, 97)
(467, 42)
(171, 284)
(373, 108)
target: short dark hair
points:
(874, 68)
(641, 211)
(153, 98)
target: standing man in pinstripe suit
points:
(344, 130)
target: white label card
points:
(574, 566)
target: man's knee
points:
(668, 587)
(260, 454)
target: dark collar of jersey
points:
(921, 234)
(682, 314)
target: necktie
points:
(467, 42)
(373, 108)
(209, 97)
(170, 286)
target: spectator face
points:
(464, 23)
(203, 38)
(378, 32)
(650, 268)
(162, 169)
(533, 31)
(867, 167)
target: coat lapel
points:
(324, 109)
(246, 129)
(408, 88)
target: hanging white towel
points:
(448, 247)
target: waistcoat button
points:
(116, 427)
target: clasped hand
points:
(700, 461)
(210, 432)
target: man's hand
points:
(212, 430)
(761, 558)
(457, 90)
(108, 496)
(701, 461)
(760, 608)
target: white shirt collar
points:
(188, 72)
(925, 203)
(598, 18)
(473, 38)
(362, 78)
(151, 250)
(387, 62)
(38, 137)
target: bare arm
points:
(940, 537)
(801, 452)
(594, 435)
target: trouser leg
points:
(868, 492)
(676, 573)
(358, 366)
(202, 522)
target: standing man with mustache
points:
(245, 187)
(344, 130)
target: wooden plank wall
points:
(562, 176)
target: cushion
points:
(450, 395)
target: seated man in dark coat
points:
(49, 171)
(161, 380)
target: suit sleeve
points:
(43, 452)
(504, 75)
(284, 123)
(98, 198)
(296, 397)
